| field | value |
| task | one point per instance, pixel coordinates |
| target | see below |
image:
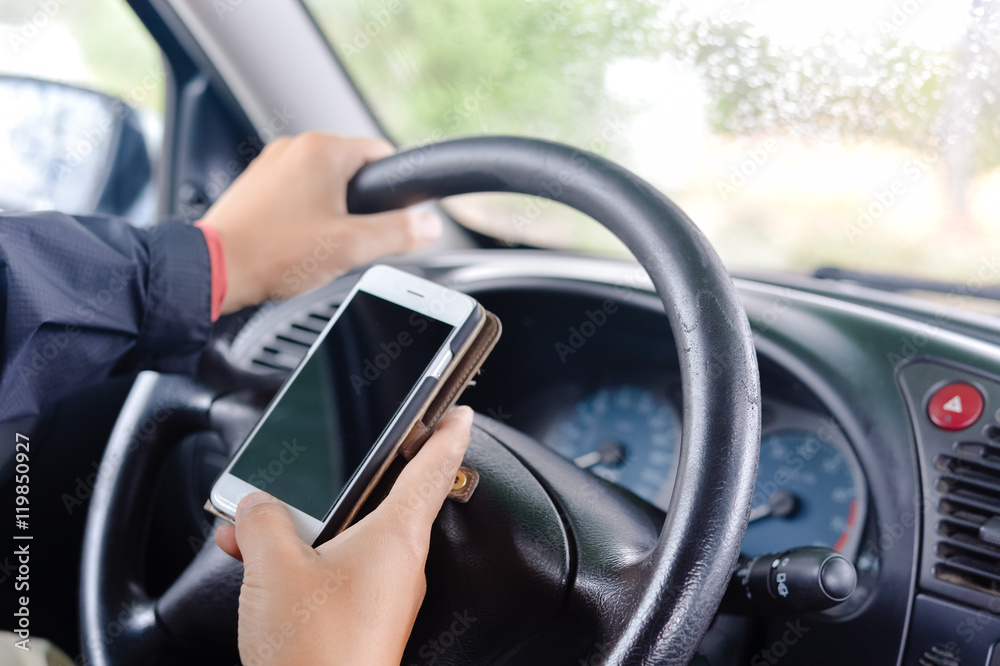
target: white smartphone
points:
(339, 418)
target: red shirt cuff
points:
(218, 260)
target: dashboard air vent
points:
(285, 347)
(968, 549)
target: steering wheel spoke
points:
(200, 607)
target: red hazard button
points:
(955, 406)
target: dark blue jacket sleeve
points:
(86, 298)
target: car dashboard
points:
(855, 455)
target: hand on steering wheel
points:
(284, 224)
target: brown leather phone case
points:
(452, 385)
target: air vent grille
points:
(968, 549)
(286, 346)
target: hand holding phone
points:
(386, 368)
(299, 604)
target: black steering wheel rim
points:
(667, 598)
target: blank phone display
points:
(340, 403)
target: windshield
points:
(862, 134)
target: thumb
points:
(420, 490)
(392, 232)
(264, 530)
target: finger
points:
(264, 530)
(225, 538)
(392, 232)
(347, 154)
(372, 149)
(426, 480)
(271, 152)
(276, 146)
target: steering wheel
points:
(546, 563)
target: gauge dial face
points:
(625, 435)
(809, 492)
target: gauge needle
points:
(609, 453)
(781, 504)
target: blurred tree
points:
(120, 56)
(422, 66)
(453, 67)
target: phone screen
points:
(342, 400)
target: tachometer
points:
(809, 492)
(625, 435)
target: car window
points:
(797, 133)
(100, 46)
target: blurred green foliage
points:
(119, 55)
(119, 50)
(419, 64)
(423, 66)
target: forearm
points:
(91, 297)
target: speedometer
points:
(625, 435)
(809, 492)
